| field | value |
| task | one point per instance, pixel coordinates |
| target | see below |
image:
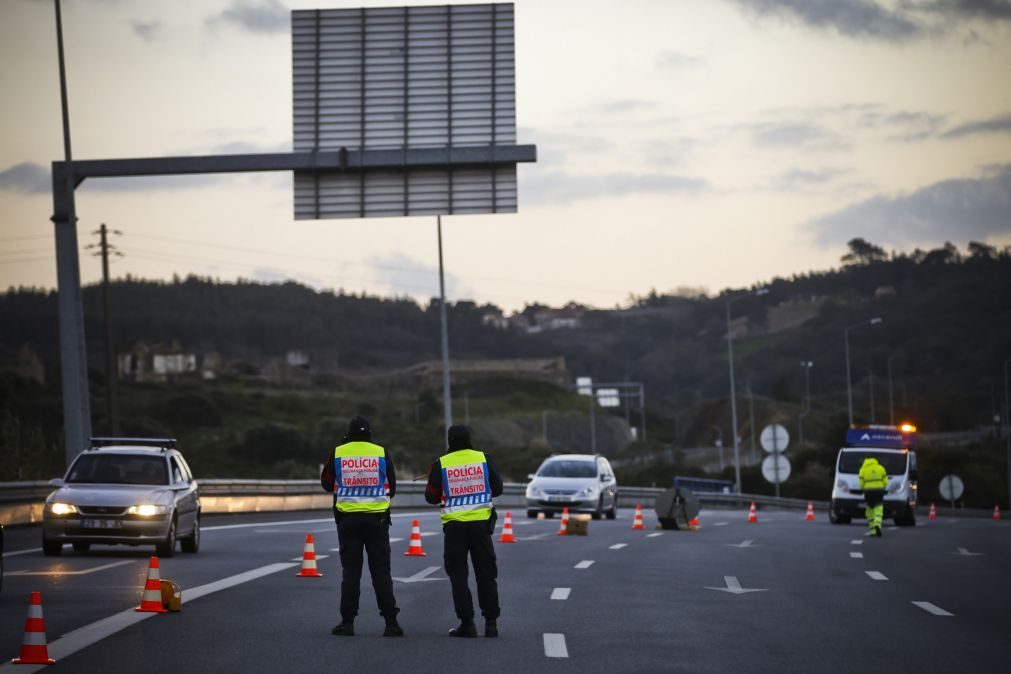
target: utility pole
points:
(751, 420)
(806, 407)
(891, 395)
(111, 374)
(447, 401)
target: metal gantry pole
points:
(73, 355)
(733, 406)
(447, 399)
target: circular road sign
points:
(951, 487)
(775, 438)
(776, 468)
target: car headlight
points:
(533, 492)
(146, 510)
(588, 491)
(842, 486)
(58, 508)
(895, 486)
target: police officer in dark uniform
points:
(463, 481)
(363, 479)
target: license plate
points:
(559, 499)
(102, 524)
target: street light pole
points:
(1007, 433)
(849, 376)
(733, 389)
(891, 397)
(870, 387)
(806, 408)
(447, 400)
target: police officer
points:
(363, 480)
(873, 482)
(463, 482)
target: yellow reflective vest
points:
(872, 475)
(360, 484)
(466, 490)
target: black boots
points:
(465, 629)
(490, 628)
(393, 630)
(344, 629)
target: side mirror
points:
(56, 482)
(603, 478)
(530, 476)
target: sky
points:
(681, 144)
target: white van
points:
(900, 495)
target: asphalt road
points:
(831, 600)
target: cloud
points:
(148, 31)
(559, 187)
(403, 274)
(852, 18)
(959, 208)
(256, 16)
(800, 180)
(985, 10)
(903, 125)
(796, 134)
(26, 178)
(621, 106)
(674, 59)
(1000, 124)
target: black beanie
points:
(459, 438)
(359, 429)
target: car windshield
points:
(893, 462)
(568, 469)
(119, 469)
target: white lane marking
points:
(930, 608)
(743, 544)
(335, 549)
(585, 564)
(734, 586)
(61, 572)
(22, 552)
(534, 537)
(396, 540)
(561, 593)
(857, 555)
(85, 636)
(522, 523)
(421, 576)
(877, 575)
(950, 521)
(965, 552)
(659, 533)
(721, 524)
(554, 646)
(856, 541)
(618, 546)
(318, 557)
(430, 533)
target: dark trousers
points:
(360, 533)
(473, 538)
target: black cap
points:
(459, 438)
(359, 427)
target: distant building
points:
(566, 318)
(146, 363)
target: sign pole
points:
(447, 401)
(775, 458)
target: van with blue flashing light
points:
(892, 447)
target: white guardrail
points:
(21, 502)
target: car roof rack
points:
(161, 443)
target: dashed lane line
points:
(85, 636)
(318, 557)
(618, 546)
(561, 593)
(554, 646)
(654, 535)
(876, 575)
(22, 552)
(585, 564)
(931, 608)
(64, 572)
(856, 541)
(857, 555)
(721, 524)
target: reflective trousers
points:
(875, 510)
(474, 539)
(360, 533)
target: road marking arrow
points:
(743, 544)
(421, 576)
(965, 553)
(734, 587)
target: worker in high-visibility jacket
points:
(363, 480)
(463, 482)
(873, 482)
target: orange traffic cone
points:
(933, 512)
(33, 645)
(809, 517)
(563, 530)
(752, 513)
(637, 521)
(507, 530)
(694, 522)
(150, 601)
(996, 513)
(309, 560)
(414, 547)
